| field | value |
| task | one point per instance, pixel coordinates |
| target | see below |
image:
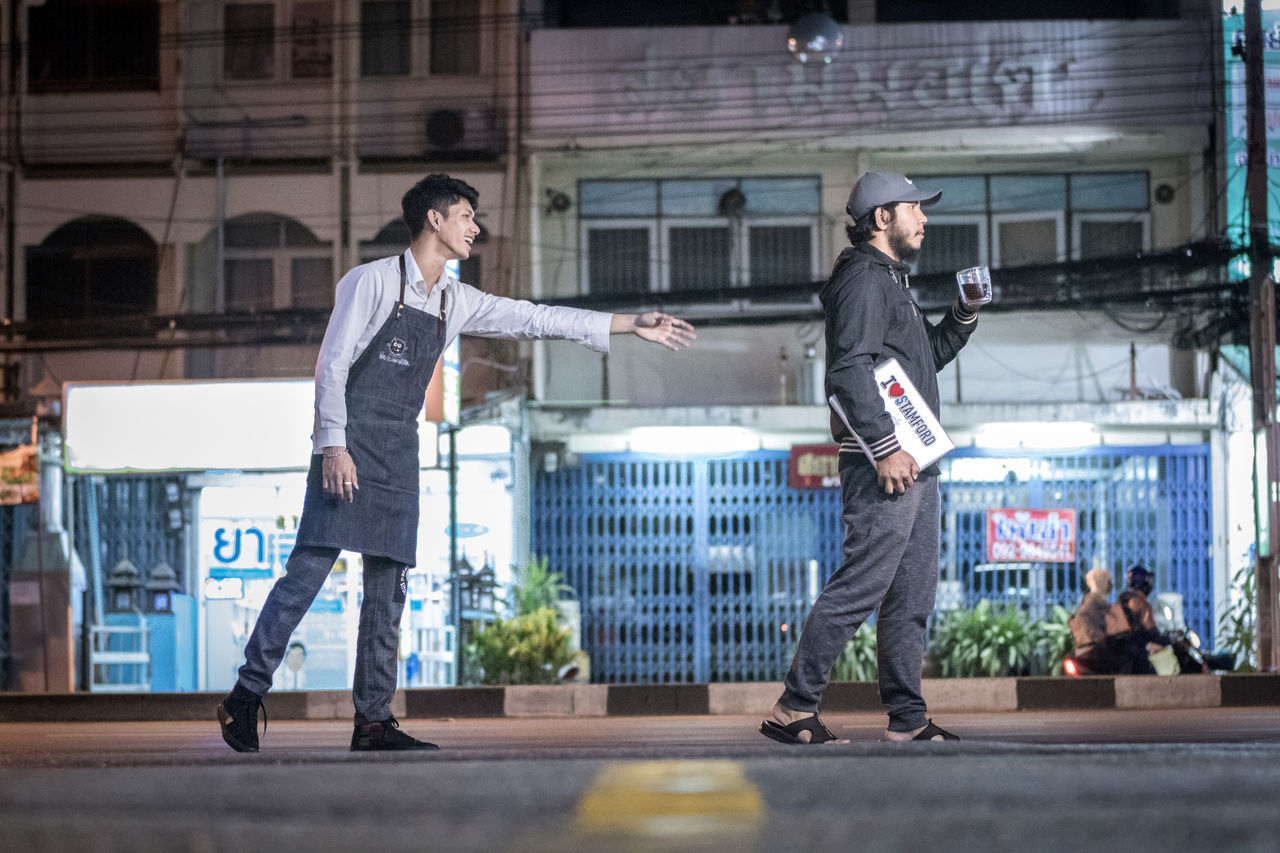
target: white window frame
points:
(1058, 216)
(586, 226)
(814, 260)
(979, 219)
(1125, 216)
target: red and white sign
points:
(814, 466)
(1031, 535)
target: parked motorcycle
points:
(1186, 649)
(1183, 655)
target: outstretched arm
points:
(656, 327)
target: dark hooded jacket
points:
(870, 318)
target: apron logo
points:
(395, 351)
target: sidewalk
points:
(600, 700)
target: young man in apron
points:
(391, 320)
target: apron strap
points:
(400, 304)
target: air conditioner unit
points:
(465, 132)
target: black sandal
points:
(932, 731)
(790, 734)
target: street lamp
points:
(814, 37)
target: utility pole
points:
(1262, 340)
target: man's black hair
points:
(436, 192)
(862, 230)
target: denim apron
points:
(386, 390)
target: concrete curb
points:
(992, 695)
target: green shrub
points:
(1237, 631)
(984, 642)
(528, 649)
(534, 587)
(1053, 642)
(858, 660)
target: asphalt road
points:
(1204, 779)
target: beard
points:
(899, 243)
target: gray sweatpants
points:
(890, 561)
(377, 638)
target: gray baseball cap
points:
(879, 188)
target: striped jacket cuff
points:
(962, 314)
(885, 447)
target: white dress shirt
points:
(367, 295)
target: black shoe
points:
(238, 716)
(384, 735)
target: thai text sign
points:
(618, 83)
(814, 466)
(1031, 535)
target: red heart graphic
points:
(896, 390)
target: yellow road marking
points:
(670, 799)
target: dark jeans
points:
(891, 562)
(377, 643)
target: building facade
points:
(705, 170)
(186, 181)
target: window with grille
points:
(780, 256)
(700, 257)
(1106, 237)
(1028, 239)
(951, 244)
(619, 260)
(698, 234)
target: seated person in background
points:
(1131, 625)
(1089, 625)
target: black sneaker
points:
(384, 735)
(238, 717)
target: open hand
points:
(671, 332)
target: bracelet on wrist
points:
(335, 454)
